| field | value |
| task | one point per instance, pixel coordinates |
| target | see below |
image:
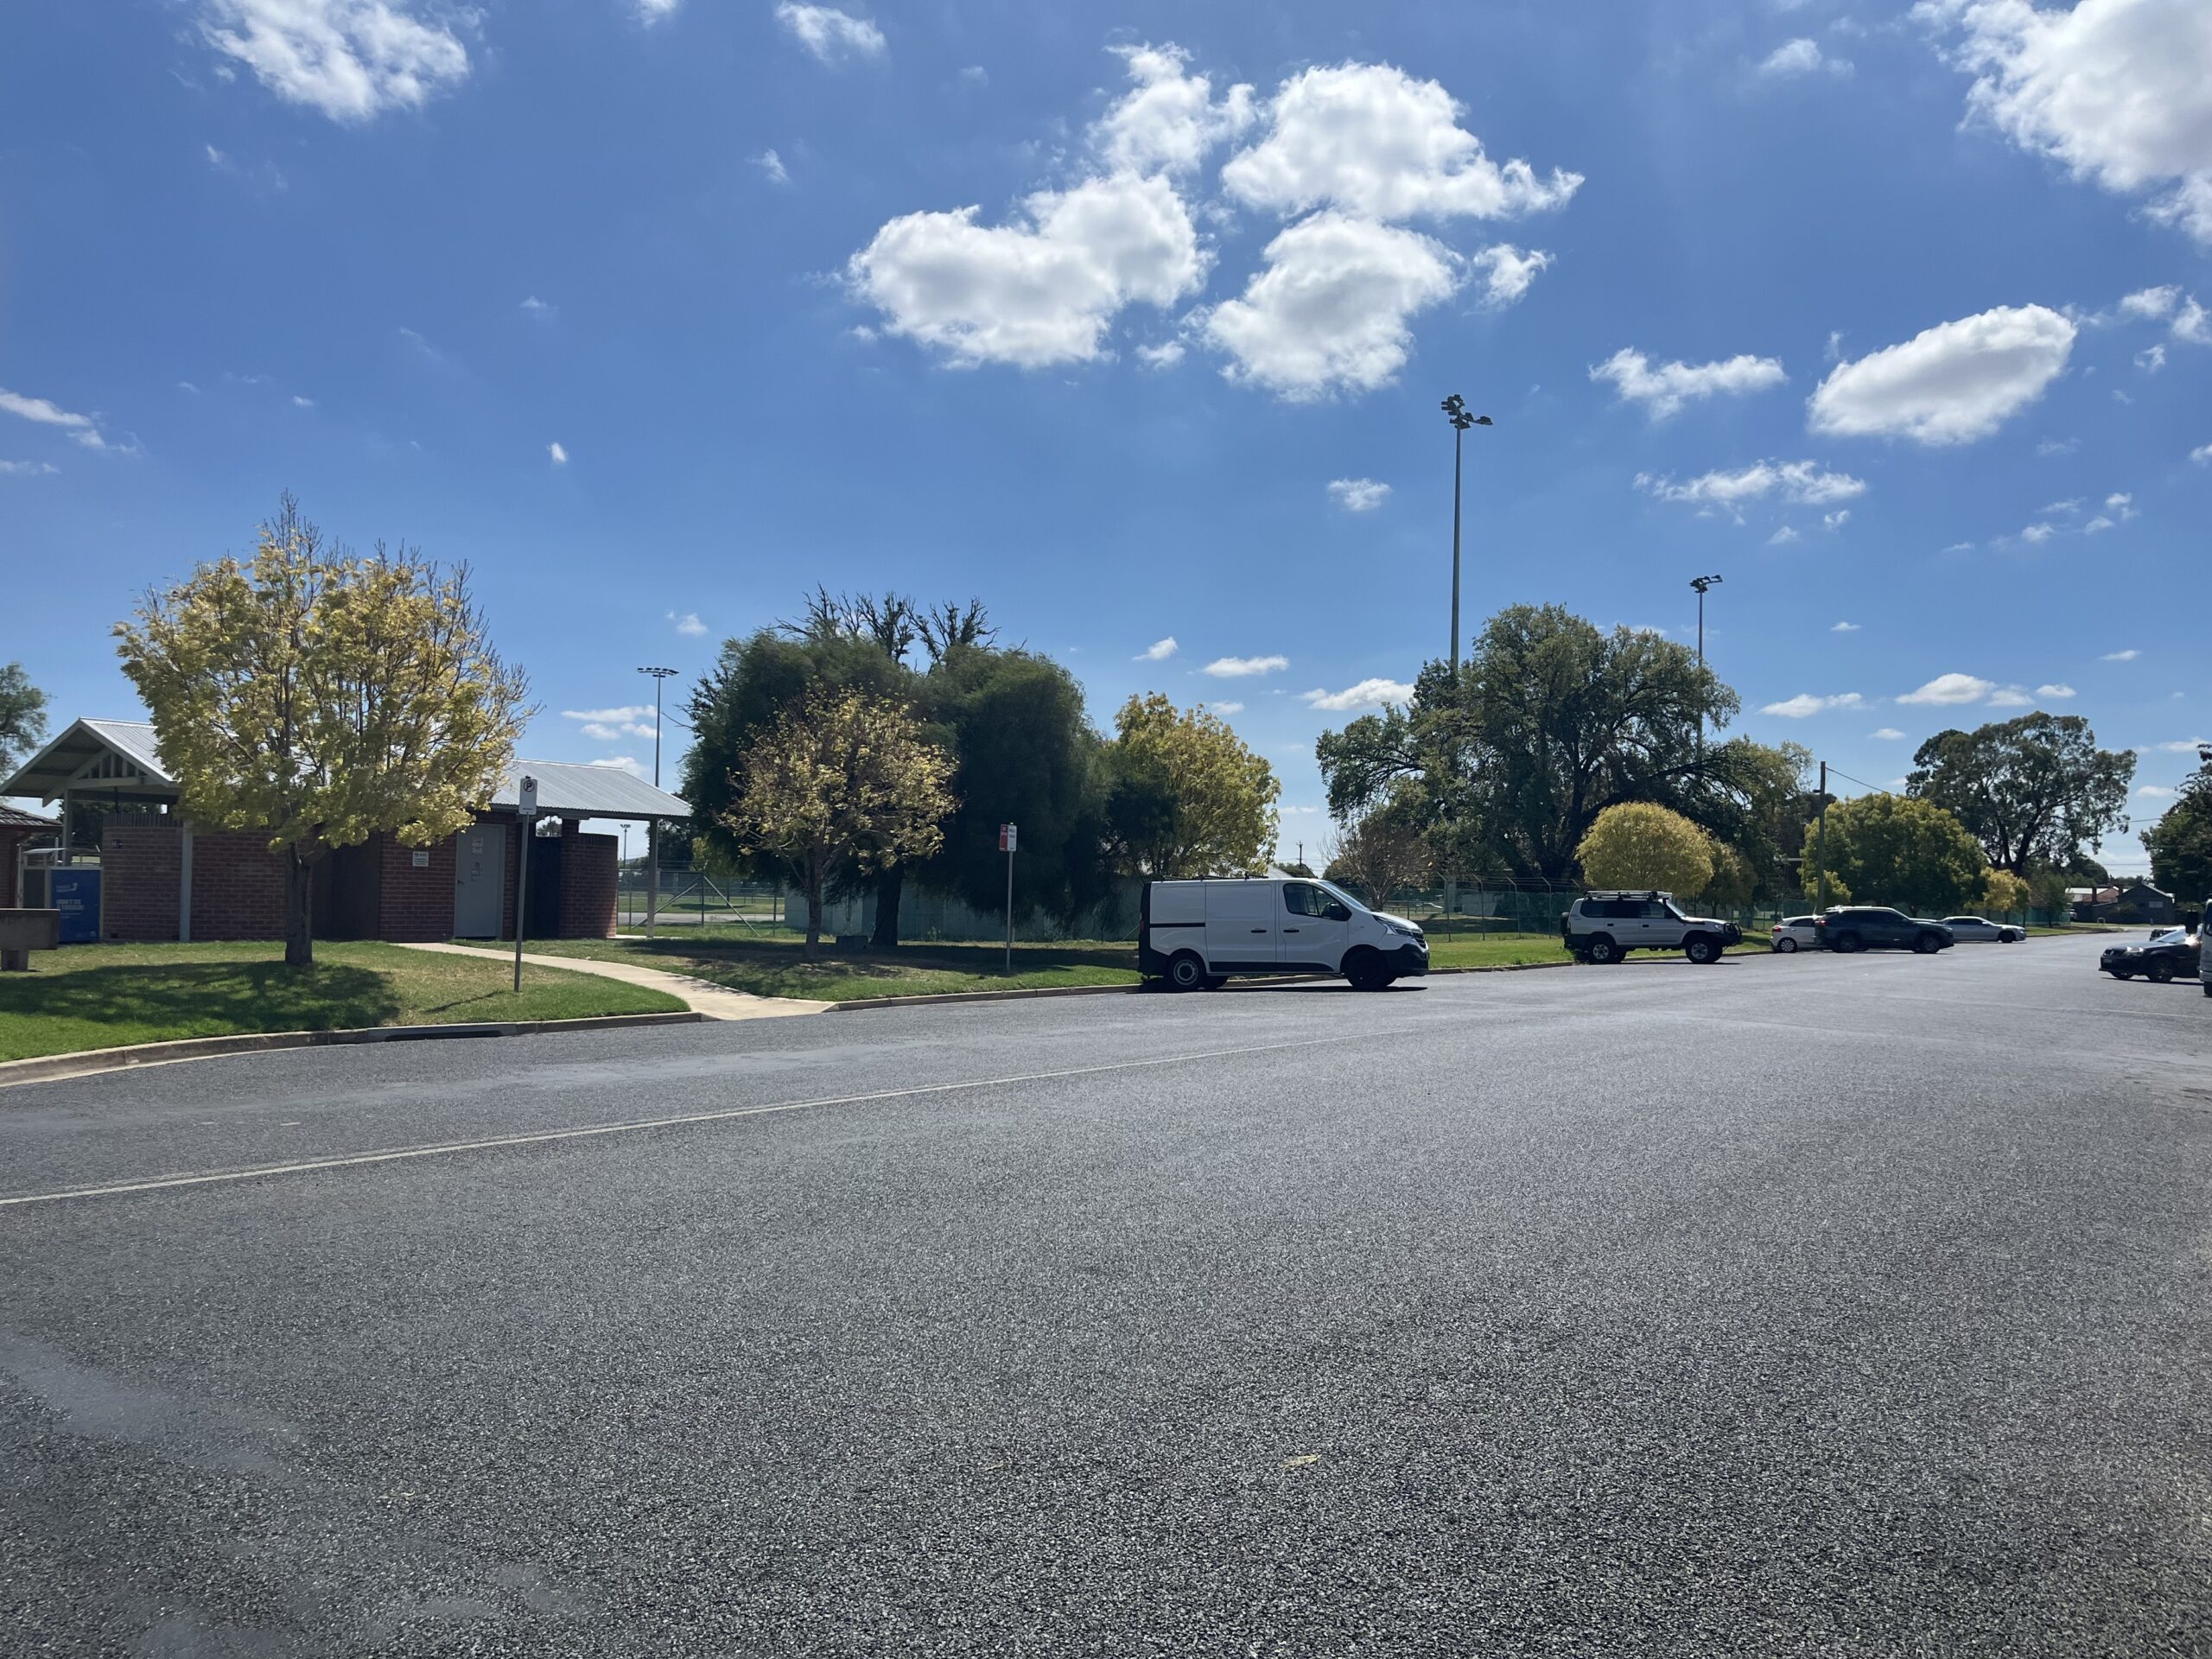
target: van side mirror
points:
(1338, 913)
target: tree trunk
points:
(889, 887)
(299, 899)
(813, 916)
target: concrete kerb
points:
(51, 1068)
(861, 1003)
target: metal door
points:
(1241, 924)
(479, 881)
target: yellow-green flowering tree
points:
(841, 781)
(319, 698)
(1639, 844)
(1187, 797)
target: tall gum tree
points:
(318, 698)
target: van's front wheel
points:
(1367, 971)
(1185, 972)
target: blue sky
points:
(1134, 321)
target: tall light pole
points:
(1704, 585)
(660, 676)
(1455, 410)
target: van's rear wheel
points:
(1185, 972)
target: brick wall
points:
(238, 887)
(139, 866)
(417, 904)
(588, 886)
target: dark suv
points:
(1873, 927)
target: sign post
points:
(526, 820)
(1007, 833)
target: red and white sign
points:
(1007, 834)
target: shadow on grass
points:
(204, 996)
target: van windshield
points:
(1340, 895)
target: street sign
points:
(526, 804)
(1007, 834)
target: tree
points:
(2033, 790)
(1900, 851)
(22, 716)
(1384, 850)
(319, 698)
(1734, 883)
(1549, 722)
(2006, 893)
(1186, 796)
(2180, 844)
(842, 781)
(1638, 844)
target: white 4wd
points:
(1606, 926)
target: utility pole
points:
(1455, 410)
(1703, 584)
(660, 676)
(1821, 848)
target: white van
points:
(1195, 934)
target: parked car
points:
(1976, 930)
(2166, 954)
(1606, 926)
(1847, 928)
(1195, 934)
(1795, 933)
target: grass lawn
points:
(104, 995)
(774, 966)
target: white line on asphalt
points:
(632, 1126)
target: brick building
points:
(163, 878)
(19, 831)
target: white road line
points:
(632, 1126)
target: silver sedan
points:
(1975, 930)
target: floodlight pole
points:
(652, 824)
(1821, 850)
(1455, 410)
(1703, 584)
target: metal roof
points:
(584, 792)
(13, 818)
(564, 788)
(47, 773)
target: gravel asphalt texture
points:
(1801, 1305)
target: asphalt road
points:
(1811, 1305)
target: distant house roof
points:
(2134, 888)
(119, 755)
(583, 791)
(97, 756)
(13, 818)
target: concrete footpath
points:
(700, 995)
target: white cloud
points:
(1232, 707)
(351, 59)
(651, 11)
(610, 716)
(1664, 389)
(1805, 704)
(1960, 547)
(2051, 447)
(829, 33)
(1950, 689)
(1330, 309)
(621, 763)
(2097, 525)
(1951, 384)
(1802, 482)
(2186, 746)
(602, 732)
(2122, 503)
(299, 402)
(2152, 359)
(2152, 304)
(558, 453)
(2072, 504)
(2201, 454)
(1358, 494)
(2056, 693)
(81, 428)
(1508, 272)
(1158, 651)
(1165, 355)
(772, 167)
(1845, 627)
(1887, 734)
(539, 310)
(2034, 535)
(1372, 140)
(689, 623)
(25, 468)
(2127, 656)
(2155, 792)
(1368, 694)
(2010, 696)
(2192, 324)
(1039, 291)
(1783, 536)
(1836, 520)
(1801, 57)
(1234, 667)
(2121, 91)
(1169, 121)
